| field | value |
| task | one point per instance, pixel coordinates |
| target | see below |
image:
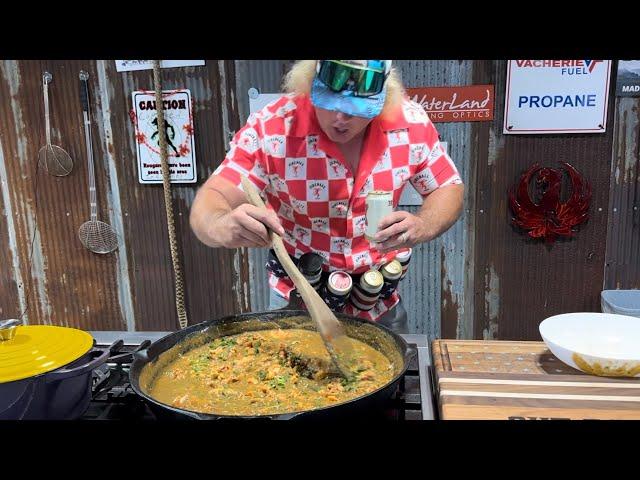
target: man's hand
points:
(439, 211)
(245, 226)
(400, 230)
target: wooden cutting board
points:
(504, 380)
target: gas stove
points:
(114, 399)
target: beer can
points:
(391, 272)
(404, 257)
(366, 292)
(379, 204)
(310, 265)
(371, 281)
(337, 289)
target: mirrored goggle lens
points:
(338, 77)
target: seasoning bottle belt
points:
(310, 265)
(367, 291)
(404, 257)
(335, 291)
(391, 272)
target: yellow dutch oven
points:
(45, 371)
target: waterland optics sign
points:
(178, 131)
(473, 103)
(556, 96)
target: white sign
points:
(257, 100)
(131, 65)
(556, 96)
(178, 118)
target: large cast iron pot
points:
(150, 362)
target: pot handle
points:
(142, 354)
(8, 328)
(125, 356)
(99, 357)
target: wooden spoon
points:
(329, 327)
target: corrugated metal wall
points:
(132, 288)
(266, 76)
(622, 267)
(58, 280)
(433, 292)
(481, 279)
(519, 283)
(437, 268)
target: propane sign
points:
(556, 96)
(178, 131)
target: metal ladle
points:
(54, 159)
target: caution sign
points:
(178, 130)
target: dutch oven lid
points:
(30, 350)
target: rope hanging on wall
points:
(168, 203)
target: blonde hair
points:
(298, 80)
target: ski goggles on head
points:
(362, 78)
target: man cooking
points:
(343, 129)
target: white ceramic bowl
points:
(602, 344)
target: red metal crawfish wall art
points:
(546, 216)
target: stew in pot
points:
(267, 372)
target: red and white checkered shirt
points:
(318, 199)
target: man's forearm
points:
(440, 210)
(206, 214)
